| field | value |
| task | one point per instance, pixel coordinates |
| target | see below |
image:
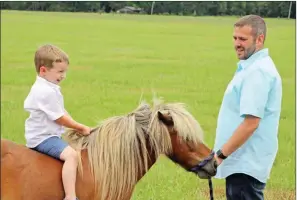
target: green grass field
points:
(116, 58)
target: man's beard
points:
(247, 52)
(250, 51)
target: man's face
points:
(244, 42)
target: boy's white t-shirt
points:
(45, 104)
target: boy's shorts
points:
(52, 146)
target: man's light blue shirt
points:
(255, 89)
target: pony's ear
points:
(165, 118)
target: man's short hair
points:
(257, 24)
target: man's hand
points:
(219, 160)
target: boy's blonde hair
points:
(47, 55)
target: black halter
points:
(198, 167)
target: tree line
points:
(274, 9)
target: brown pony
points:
(113, 158)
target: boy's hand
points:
(85, 130)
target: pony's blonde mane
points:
(118, 147)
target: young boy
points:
(47, 118)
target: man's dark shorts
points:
(244, 187)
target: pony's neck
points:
(151, 160)
(89, 179)
(86, 178)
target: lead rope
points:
(198, 167)
(210, 189)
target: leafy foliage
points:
(264, 9)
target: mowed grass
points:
(114, 59)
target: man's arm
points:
(253, 99)
(241, 134)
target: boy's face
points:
(55, 74)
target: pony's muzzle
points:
(208, 170)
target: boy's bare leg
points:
(69, 171)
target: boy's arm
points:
(50, 105)
(68, 122)
(67, 114)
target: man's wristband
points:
(221, 155)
